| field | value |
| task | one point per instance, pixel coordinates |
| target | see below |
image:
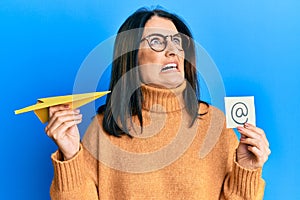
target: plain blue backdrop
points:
(255, 45)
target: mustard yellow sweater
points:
(168, 160)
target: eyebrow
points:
(160, 34)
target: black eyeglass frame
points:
(182, 36)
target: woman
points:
(145, 142)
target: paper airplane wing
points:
(76, 100)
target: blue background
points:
(255, 45)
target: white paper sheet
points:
(239, 110)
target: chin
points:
(170, 84)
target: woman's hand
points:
(253, 150)
(62, 128)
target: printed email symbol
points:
(239, 110)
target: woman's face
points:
(164, 69)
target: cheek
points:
(140, 57)
(147, 56)
(148, 73)
(143, 62)
(144, 56)
(181, 66)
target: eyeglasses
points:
(158, 42)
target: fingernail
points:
(239, 128)
(77, 111)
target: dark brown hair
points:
(120, 108)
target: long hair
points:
(117, 111)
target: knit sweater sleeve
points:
(241, 183)
(75, 178)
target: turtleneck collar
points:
(163, 99)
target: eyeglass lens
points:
(159, 42)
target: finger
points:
(252, 134)
(56, 121)
(258, 131)
(50, 128)
(59, 114)
(261, 146)
(256, 143)
(53, 109)
(61, 130)
(260, 156)
(254, 129)
(248, 133)
(253, 142)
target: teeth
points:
(169, 66)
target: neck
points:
(163, 99)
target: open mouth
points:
(170, 67)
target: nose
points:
(171, 50)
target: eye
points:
(176, 40)
(156, 41)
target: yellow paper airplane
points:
(76, 100)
